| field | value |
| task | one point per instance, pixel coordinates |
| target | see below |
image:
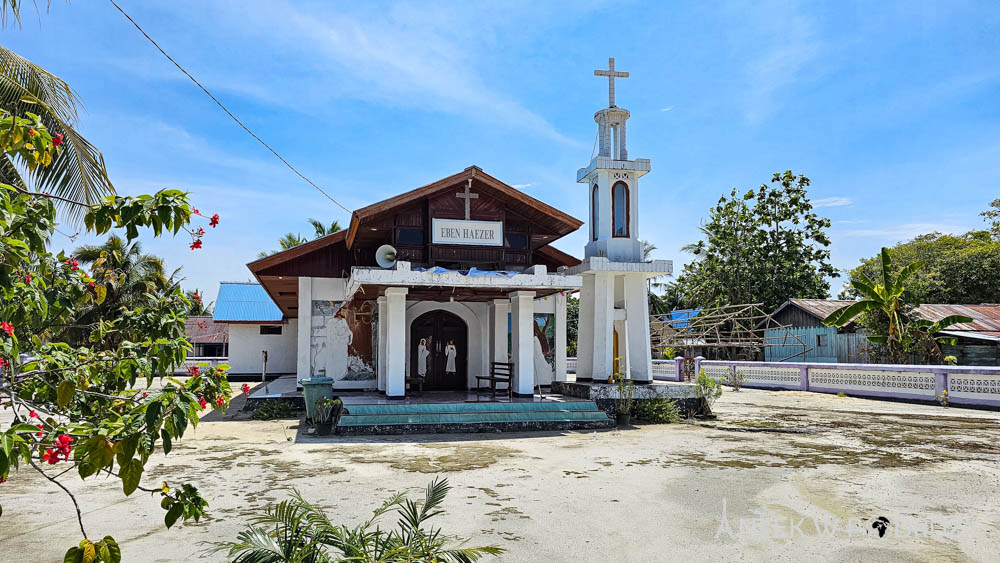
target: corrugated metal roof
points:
(821, 308)
(240, 302)
(985, 318)
(203, 330)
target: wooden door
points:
(430, 335)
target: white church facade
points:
(431, 286)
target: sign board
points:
(457, 231)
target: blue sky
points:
(892, 110)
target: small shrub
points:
(274, 409)
(841, 394)
(736, 379)
(658, 411)
(950, 361)
(943, 398)
(626, 389)
(708, 389)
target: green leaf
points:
(167, 446)
(19, 428)
(73, 555)
(173, 514)
(131, 473)
(102, 293)
(64, 393)
(4, 464)
(114, 553)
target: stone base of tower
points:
(613, 330)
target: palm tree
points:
(198, 307)
(295, 530)
(287, 240)
(886, 299)
(129, 279)
(322, 230)
(79, 173)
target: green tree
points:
(287, 240)
(764, 246)
(959, 269)
(296, 530)
(891, 320)
(129, 279)
(79, 174)
(992, 217)
(198, 307)
(572, 324)
(322, 230)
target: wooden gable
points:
(404, 222)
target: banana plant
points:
(887, 297)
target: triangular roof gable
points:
(557, 221)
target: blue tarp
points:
(472, 273)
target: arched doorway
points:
(432, 336)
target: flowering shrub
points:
(78, 405)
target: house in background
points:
(255, 327)
(977, 342)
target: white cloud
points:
(904, 231)
(833, 202)
(668, 108)
(521, 186)
(428, 57)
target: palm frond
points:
(79, 172)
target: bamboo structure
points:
(729, 332)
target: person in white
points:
(422, 353)
(450, 353)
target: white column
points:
(618, 326)
(560, 355)
(522, 317)
(383, 334)
(395, 349)
(585, 331)
(303, 350)
(637, 320)
(499, 309)
(602, 327)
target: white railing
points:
(570, 365)
(964, 384)
(192, 361)
(663, 370)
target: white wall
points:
(246, 343)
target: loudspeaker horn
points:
(385, 256)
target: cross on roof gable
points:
(558, 222)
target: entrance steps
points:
(457, 417)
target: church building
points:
(434, 284)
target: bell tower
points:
(613, 332)
(613, 183)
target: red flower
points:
(214, 220)
(27, 278)
(246, 390)
(144, 394)
(7, 327)
(33, 414)
(196, 297)
(50, 456)
(196, 244)
(193, 371)
(91, 284)
(31, 132)
(195, 211)
(57, 139)
(3, 363)
(202, 402)
(220, 401)
(40, 427)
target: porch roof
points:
(428, 285)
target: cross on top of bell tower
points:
(611, 73)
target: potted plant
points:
(327, 414)
(624, 401)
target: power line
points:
(225, 109)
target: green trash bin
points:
(313, 389)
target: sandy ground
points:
(787, 466)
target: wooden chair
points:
(500, 372)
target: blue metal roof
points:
(244, 303)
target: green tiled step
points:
(472, 417)
(485, 406)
